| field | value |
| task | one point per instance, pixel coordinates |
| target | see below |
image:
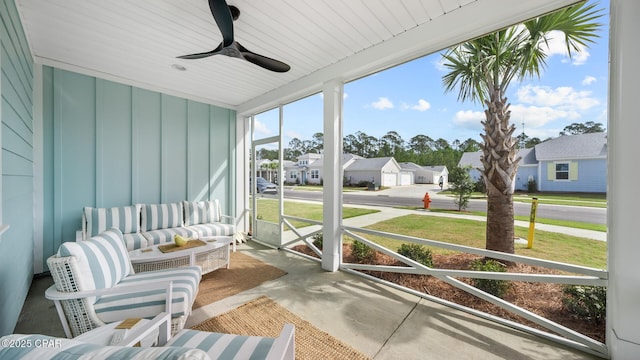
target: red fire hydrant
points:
(426, 200)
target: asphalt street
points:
(412, 195)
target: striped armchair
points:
(94, 284)
(187, 344)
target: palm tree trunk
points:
(500, 166)
(500, 233)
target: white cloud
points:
(439, 64)
(260, 127)
(543, 110)
(556, 45)
(534, 118)
(588, 80)
(382, 104)
(423, 105)
(293, 134)
(564, 98)
(538, 116)
(468, 119)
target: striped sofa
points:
(144, 225)
(94, 284)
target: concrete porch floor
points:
(381, 322)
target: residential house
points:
(309, 168)
(286, 164)
(576, 163)
(527, 170)
(386, 171)
(383, 171)
(573, 163)
(298, 173)
(426, 174)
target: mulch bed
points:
(544, 299)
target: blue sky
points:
(410, 100)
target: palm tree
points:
(273, 167)
(482, 70)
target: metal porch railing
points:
(556, 332)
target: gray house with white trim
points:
(576, 163)
(309, 168)
(383, 171)
(426, 174)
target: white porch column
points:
(623, 310)
(243, 149)
(332, 176)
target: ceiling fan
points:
(224, 15)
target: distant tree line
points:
(420, 149)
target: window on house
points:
(315, 174)
(562, 171)
(293, 175)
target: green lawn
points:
(546, 245)
(268, 211)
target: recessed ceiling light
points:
(179, 67)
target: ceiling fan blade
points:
(222, 15)
(263, 61)
(202, 55)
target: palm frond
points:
(465, 72)
(579, 24)
(491, 62)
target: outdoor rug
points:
(264, 317)
(245, 272)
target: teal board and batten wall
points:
(107, 144)
(16, 111)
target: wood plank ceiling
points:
(137, 41)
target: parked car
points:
(265, 187)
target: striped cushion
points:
(162, 236)
(148, 304)
(201, 212)
(41, 347)
(161, 216)
(135, 241)
(217, 229)
(103, 260)
(224, 346)
(126, 218)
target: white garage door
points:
(405, 179)
(389, 179)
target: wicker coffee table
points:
(211, 256)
